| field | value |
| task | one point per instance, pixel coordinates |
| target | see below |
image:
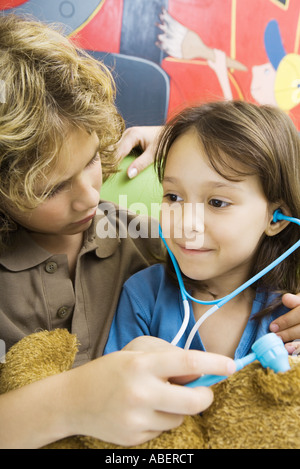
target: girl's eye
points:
(216, 203)
(173, 198)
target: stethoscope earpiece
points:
(277, 216)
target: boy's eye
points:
(56, 191)
(216, 203)
(63, 186)
(95, 159)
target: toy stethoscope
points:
(216, 304)
(269, 349)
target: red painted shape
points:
(8, 4)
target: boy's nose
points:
(86, 197)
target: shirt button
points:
(51, 267)
(63, 312)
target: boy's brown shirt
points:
(36, 292)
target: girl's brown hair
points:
(265, 142)
(49, 86)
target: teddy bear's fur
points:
(254, 408)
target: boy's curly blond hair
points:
(49, 86)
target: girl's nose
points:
(193, 224)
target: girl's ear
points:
(274, 228)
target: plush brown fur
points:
(254, 408)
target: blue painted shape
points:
(72, 13)
(139, 29)
(142, 88)
(273, 43)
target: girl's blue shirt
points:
(150, 304)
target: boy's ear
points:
(274, 228)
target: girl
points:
(58, 132)
(225, 168)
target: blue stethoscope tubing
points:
(217, 304)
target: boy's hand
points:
(128, 397)
(148, 343)
(144, 137)
(288, 326)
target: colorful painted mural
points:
(169, 53)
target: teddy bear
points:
(254, 408)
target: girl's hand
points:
(293, 347)
(127, 397)
(288, 325)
